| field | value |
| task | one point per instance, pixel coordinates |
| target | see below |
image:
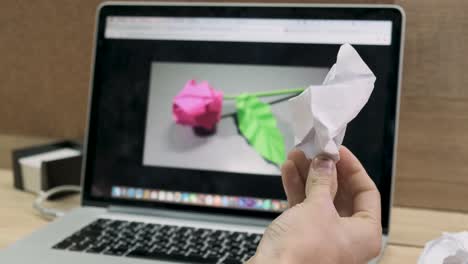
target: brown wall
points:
(433, 148)
(45, 52)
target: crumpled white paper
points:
(450, 248)
(320, 113)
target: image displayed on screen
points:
(194, 120)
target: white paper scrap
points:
(450, 248)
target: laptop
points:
(158, 191)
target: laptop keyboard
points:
(162, 242)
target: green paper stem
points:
(270, 93)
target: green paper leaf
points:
(258, 125)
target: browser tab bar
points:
(305, 31)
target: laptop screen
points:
(141, 151)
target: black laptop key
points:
(250, 244)
(63, 244)
(177, 256)
(200, 232)
(77, 237)
(125, 245)
(195, 249)
(140, 252)
(117, 251)
(236, 252)
(233, 236)
(78, 247)
(90, 233)
(183, 230)
(148, 230)
(167, 229)
(213, 254)
(101, 223)
(106, 243)
(93, 227)
(233, 245)
(196, 252)
(232, 261)
(197, 255)
(96, 249)
(253, 238)
(116, 224)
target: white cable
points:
(51, 213)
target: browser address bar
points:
(360, 32)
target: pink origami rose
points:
(198, 105)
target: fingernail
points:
(323, 164)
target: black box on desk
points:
(56, 172)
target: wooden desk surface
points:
(411, 228)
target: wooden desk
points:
(411, 228)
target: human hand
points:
(334, 214)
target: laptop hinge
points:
(192, 215)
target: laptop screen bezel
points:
(388, 12)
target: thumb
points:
(321, 180)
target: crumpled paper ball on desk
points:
(450, 248)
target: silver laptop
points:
(156, 190)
